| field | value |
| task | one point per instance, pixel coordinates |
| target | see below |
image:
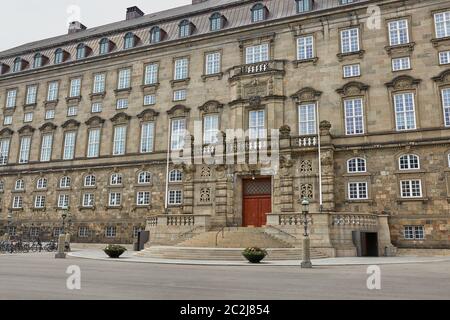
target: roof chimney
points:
(198, 1)
(76, 26)
(134, 12)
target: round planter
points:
(255, 257)
(114, 254)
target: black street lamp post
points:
(306, 261)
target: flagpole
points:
(320, 158)
(166, 205)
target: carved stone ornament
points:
(443, 77)
(47, 127)
(120, 118)
(95, 121)
(403, 82)
(306, 94)
(211, 106)
(285, 131)
(148, 115)
(353, 88)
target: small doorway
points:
(369, 244)
(257, 201)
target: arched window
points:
(175, 176)
(17, 65)
(59, 56)
(81, 51)
(19, 185)
(259, 12)
(116, 179)
(65, 182)
(355, 165)
(89, 181)
(409, 162)
(37, 62)
(41, 183)
(156, 35)
(216, 21)
(129, 41)
(104, 46)
(185, 29)
(144, 177)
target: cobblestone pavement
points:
(40, 276)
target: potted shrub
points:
(114, 251)
(254, 254)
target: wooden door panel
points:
(265, 207)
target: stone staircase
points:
(229, 247)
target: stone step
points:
(221, 254)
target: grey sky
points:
(26, 21)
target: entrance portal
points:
(257, 201)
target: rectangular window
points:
(39, 202)
(52, 92)
(69, 145)
(17, 202)
(398, 32)
(353, 70)
(124, 79)
(357, 190)
(210, 128)
(96, 107)
(212, 63)
(179, 95)
(305, 48)
(177, 134)
(75, 88)
(72, 111)
(7, 120)
(24, 153)
(175, 197)
(149, 100)
(120, 136)
(4, 151)
(143, 198)
(414, 233)
(444, 57)
(411, 189)
(354, 116)
(46, 147)
(11, 97)
(403, 63)
(49, 114)
(147, 132)
(304, 5)
(31, 95)
(115, 199)
(63, 201)
(442, 24)
(405, 116)
(99, 83)
(307, 119)
(83, 232)
(110, 232)
(257, 125)
(88, 200)
(28, 117)
(181, 69)
(93, 143)
(446, 105)
(255, 54)
(122, 104)
(350, 40)
(151, 74)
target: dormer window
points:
(4, 68)
(17, 65)
(105, 46)
(37, 62)
(185, 29)
(259, 12)
(59, 56)
(81, 51)
(129, 41)
(217, 21)
(304, 5)
(156, 35)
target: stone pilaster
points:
(327, 161)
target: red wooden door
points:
(257, 202)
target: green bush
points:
(114, 251)
(254, 254)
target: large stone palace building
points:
(88, 118)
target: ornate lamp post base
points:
(61, 244)
(306, 261)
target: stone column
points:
(327, 160)
(285, 184)
(385, 247)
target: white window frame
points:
(444, 57)
(50, 114)
(99, 83)
(414, 232)
(96, 107)
(175, 176)
(124, 79)
(72, 111)
(144, 177)
(354, 118)
(19, 185)
(359, 195)
(257, 124)
(143, 198)
(53, 91)
(122, 104)
(11, 98)
(305, 48)
(70, 138)
(445, 94)
(24, 152)
(401, 63)
(4, 150)
(398, 34)
(116, 179)
(175, 197)
(210, 128)
(63, 201)
(177, 134)
(90, 180)
(75, 88)
(360, 165)
(257, 53)
(111, 232)
(115, 199)
(149, 100)
(17, 202)
(181, 69)
(88, 200)
(31, 95)
(402, 115)
(351, 70)
(8, 120)
(409, 162)
(410, 185)
(442, 24)
(93, 150)
(212, 63)
(179, 95)
(147, 137)
(120, 140)
(151, 74)
(39, 201)
(347, 40)
(65, 182)
(307, 123)
(41, 184)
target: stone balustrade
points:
(288, 219)
(179, 220)
(304, 141)
(360, 221)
